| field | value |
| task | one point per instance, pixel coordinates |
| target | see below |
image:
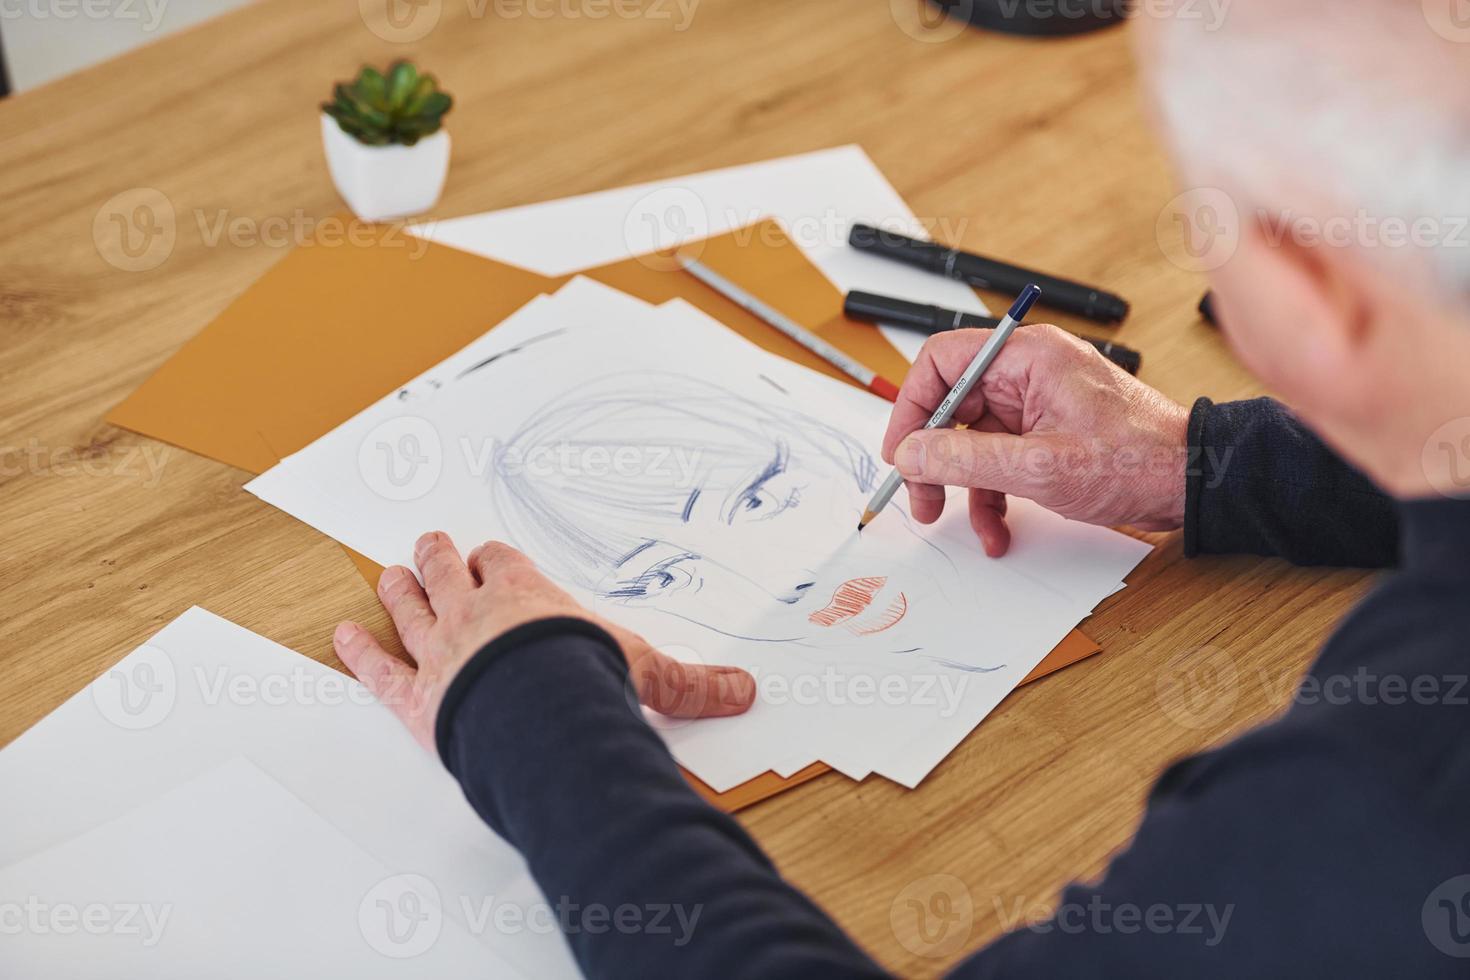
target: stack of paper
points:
(218, 806)
(683, 483)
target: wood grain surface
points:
(1037, 151)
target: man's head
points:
(1340, 135)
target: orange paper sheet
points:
(333, 327)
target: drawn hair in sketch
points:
(615, 469)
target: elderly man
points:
(1328, 842)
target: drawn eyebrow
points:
(509, 350)
(649, 543)
(774, 468)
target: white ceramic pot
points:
(383, 182)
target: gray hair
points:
(1353, 119)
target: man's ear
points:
(1305, 313)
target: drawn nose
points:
(796, 592)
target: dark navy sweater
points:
(1333, 842)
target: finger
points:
(446, 579)
(497, 558)
(682, 690)
(987, 517)
(939, 365)
(926, 502)
(408, 605)
(969, 458)
(389, 679)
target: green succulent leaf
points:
(397, 106)
(436, 105)
(402, 79)
(373, 86)
(422, 89)
(357, 104)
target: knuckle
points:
(397, 590)
(1050, 339)
(493, 554)
(361, 642)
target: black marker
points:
(1061, 294)
(934, 319)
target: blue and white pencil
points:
(944, 414)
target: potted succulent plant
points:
(386, 148)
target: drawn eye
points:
(761, 504)
(668, 576)
(665, 578)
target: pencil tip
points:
(860, 527)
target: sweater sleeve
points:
(555, 755)
(1329, 842)
(1260, 483)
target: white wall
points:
(45, 39)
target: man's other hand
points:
(1052, 421)
(464, 604)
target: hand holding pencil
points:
(1049, 421)
(968, 379)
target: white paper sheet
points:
(574, 445)
(203, 690)
(817, 197)
(230, 876)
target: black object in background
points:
(1052, 18)
(4, 73)
(873, 308)
(1059, 294)
(1207, 309)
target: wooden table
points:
(105, 536)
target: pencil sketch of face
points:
(660, 491)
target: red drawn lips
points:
(854, 597)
